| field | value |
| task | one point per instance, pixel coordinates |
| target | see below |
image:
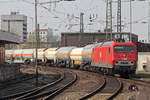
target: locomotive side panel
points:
(102, 57)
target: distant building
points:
(82, 39)
(143, 41)
(15, 23)
(46, 38)
(45, 35)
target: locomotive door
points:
(107, 57)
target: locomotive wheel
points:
(106, 71)
(77, 66)
(101, 70)
(110, 72)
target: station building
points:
(7, 71)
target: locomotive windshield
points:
(124, 49)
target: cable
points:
(8, 1)
(27, 2)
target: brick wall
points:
(8, 72)
(82, 39)
(2, 53)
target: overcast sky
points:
(64, 16)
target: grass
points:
(142, 75)
(146, 73)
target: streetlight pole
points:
(149, 24)
(32, 34)
(36, 36)
(130, 20)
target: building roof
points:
(7, 37)
(96, 33)
(43, 29)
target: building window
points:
(94, 39)
(24, 29)
(25, 33)
(25, 25)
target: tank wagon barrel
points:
(63, 56)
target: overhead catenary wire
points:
(57, 12)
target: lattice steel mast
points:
(109, 19)
(119, 16)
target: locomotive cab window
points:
(124, 49)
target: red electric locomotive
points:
(114, 57)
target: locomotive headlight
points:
(116, 62)
(132, 62)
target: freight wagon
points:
(107, 57)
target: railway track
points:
(88, 83)
(51, 90)
(28, 86)
(23, 78)
(102, 85)
(19, 90)
(108, 88)
(110, 85)
(119, 87)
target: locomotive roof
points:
(106, 43)
(99, 44)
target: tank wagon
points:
(108, 57)
(76, 57)
(63, 56)
(26, 56)
(50, 56)
(41, 53)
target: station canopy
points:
(7, 37)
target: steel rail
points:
(22, 94)
(98, 89)
(28, 95)
(22, 78)
(50, 91)
(51, 96)
(117, 91)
